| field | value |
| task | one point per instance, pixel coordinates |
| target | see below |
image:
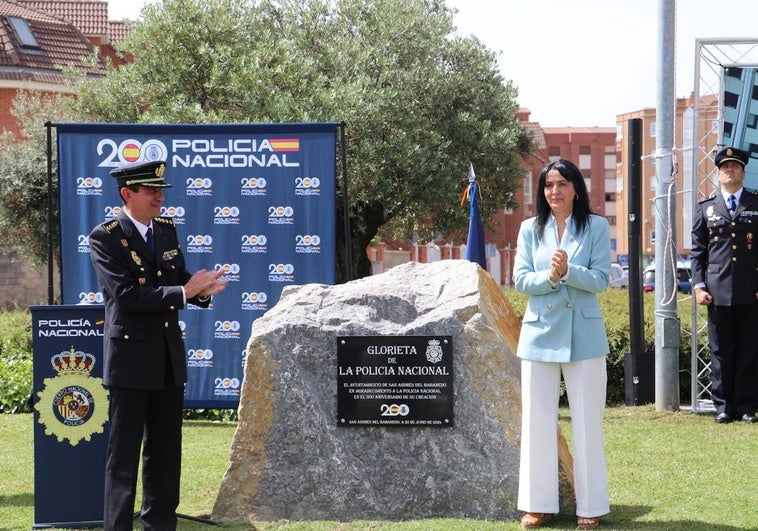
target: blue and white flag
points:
(475, 240)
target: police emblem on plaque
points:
(433, 351)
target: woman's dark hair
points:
(581, 211)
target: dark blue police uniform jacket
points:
(143, 295)
(725, 250)
(725, 258)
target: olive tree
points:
(418, 102)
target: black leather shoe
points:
(723, 418)
(750, 419)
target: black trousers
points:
(734, 358)
(150, 420)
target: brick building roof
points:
(59, 41)
(581, 130)
(538, 135)
(89, 16)
(118, 30)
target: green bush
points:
(15, 360)
(615, 305)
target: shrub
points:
(15, 360)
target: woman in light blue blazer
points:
(563, 260)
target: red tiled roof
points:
(118, 30)
(89, 16)
(60, 44)
(538, 135)
(16, 9)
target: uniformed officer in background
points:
(725, 279)
(140, 266)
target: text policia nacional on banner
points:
(254, 200)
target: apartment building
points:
(690, 182)
(592, 149)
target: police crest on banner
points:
(73, 405)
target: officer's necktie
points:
(149, 240)
(731, 205)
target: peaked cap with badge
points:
(142, 173)
(731, 153)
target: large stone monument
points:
(291, 458)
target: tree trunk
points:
(365, 221)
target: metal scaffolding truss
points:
(712, 56)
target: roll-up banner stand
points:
(254, 200)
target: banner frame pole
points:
(50, 254)
(345, 206)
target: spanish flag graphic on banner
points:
(285, 144)
(131, 152)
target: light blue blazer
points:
(563, 322)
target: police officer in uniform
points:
(725, 279)
(141, 269)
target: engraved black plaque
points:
(395, 381)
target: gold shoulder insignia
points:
(110, 225)
(166, 221)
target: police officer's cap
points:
(143, 173)
(731, 153)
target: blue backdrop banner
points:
(254, 200)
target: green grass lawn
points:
(668, 471)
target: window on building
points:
(553, 153)
(610, 157)
(23, 32)
(652, 129)
(609, 198)
(585, 157)
(528, 200)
